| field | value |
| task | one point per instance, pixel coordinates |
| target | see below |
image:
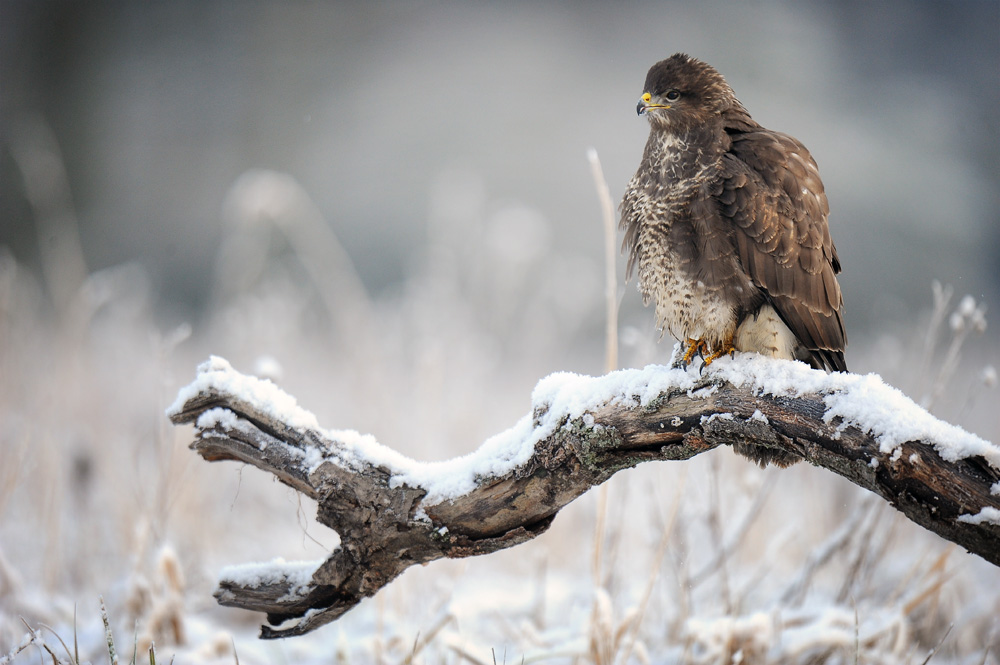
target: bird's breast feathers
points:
(666, 247)
(686, 308)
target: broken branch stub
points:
(392, 512)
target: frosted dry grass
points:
(707, 561)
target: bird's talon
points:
(727, 348)
(695, 347)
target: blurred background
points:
(388, 209)
(377, 109)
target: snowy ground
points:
(707, 561)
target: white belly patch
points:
(766, 334)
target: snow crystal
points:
(757, 415)
(988, 514)
(995, 489)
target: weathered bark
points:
(385, 529)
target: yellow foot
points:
(695, 347)
(727, 348)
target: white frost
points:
(988, 514)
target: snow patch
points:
(716, 416)
(218, 417)
(224, 419)
(216, 373)
(865, 402)
(296, 575)
(862, 401)
(988, 514)
(758, 416)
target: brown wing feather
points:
(630, 222)
(772, 193)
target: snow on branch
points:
(392, 512)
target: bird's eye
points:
(672, 95)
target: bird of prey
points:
(726, 222)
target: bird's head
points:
(681, 92)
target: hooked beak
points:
(646, 103)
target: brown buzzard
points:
(726, 222)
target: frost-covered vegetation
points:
(707, 561)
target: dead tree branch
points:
(388, 523)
